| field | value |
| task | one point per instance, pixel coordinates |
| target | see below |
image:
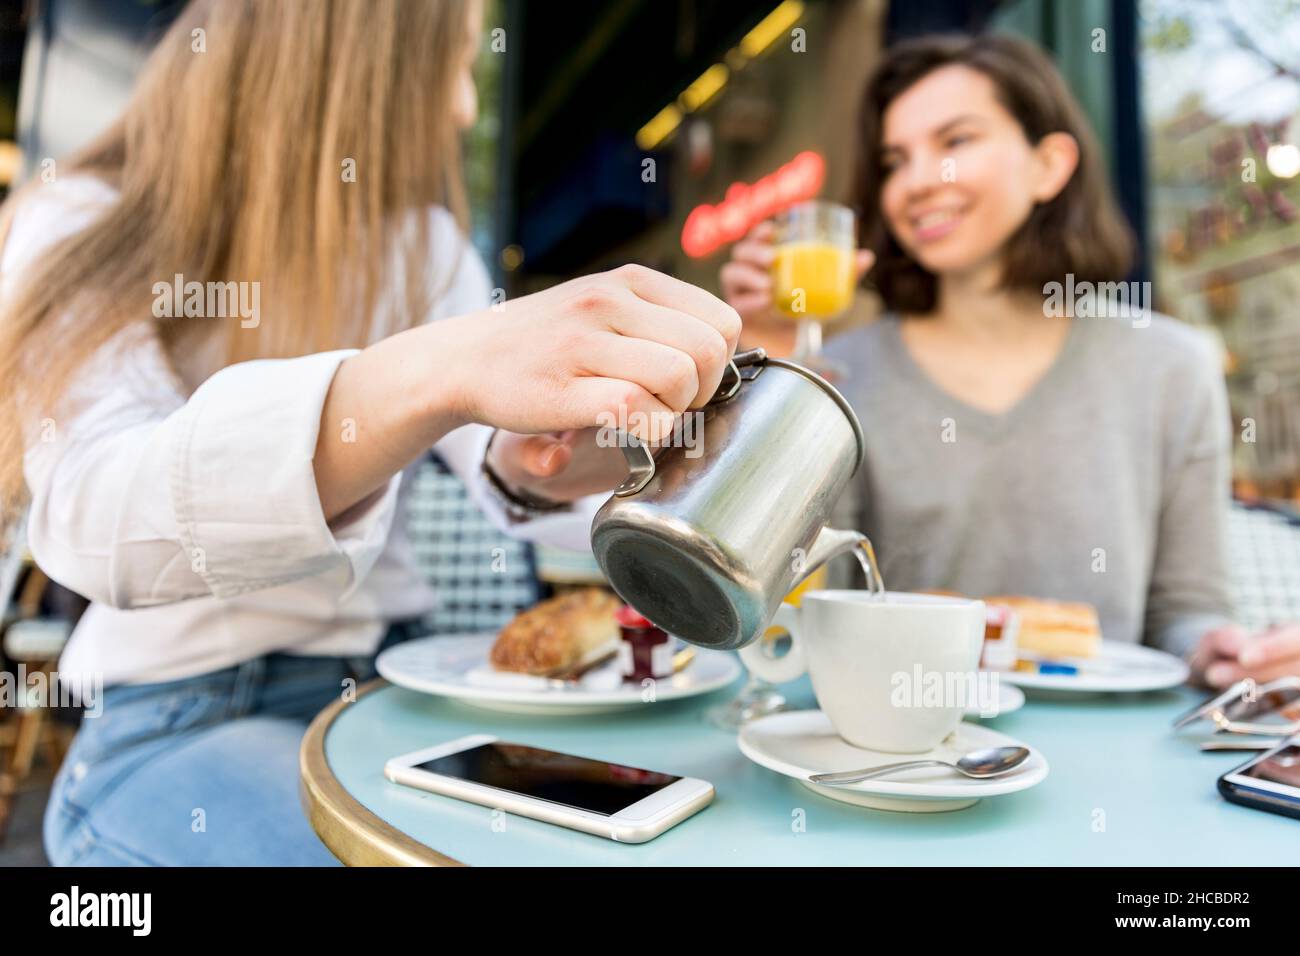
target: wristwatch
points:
(519, 505)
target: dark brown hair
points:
(1081, 230)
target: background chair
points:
(31, 645)
(1264, 564)
(481, 576)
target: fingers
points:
(1221, 643)
(747, 287)
(1228, 655)
(1277, 644)
(642, 304)
(629, 348)
(746, 278)
(1223, 674)
(663, 290)
(754, 252)
(664, 350)
(596, 401)
(643, 355)
(1229, 640)
(540, 456)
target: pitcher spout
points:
(830, 543)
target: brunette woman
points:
(1013, 447)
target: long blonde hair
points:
(273, 141)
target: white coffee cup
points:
(874, 663)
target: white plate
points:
(800, 743)
(457, 666)
(1119, 667)
(1009, 698)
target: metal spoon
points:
(978, 763)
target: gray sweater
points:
(1107, 483)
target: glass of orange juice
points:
(758, 698)
(813, 278)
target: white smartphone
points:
(625, 804)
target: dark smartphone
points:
(1270, 781)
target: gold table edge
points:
(350, 831)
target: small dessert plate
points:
(801, 743)
(1119, 667)
(457, 666)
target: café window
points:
(1221, 98)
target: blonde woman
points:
(222, 481)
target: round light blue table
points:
(1123, 790)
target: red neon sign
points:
(707, 228)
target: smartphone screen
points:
(1282, 767)
(592, 785)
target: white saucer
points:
(1009, 698)
(457, 666)
(1118, 668)
(802, 742)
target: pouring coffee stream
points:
(866, 555)
(707, 544)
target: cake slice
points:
(1001, 633)
(1054, 628)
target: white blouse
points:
(189, 515)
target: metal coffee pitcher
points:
(707, 540)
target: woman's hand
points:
(747, 287)
(630, 346)
(557, 466)
(1228, 654)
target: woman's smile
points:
(935, 223)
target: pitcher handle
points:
(640, 464)
(641, 460)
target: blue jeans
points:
(201, 771)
